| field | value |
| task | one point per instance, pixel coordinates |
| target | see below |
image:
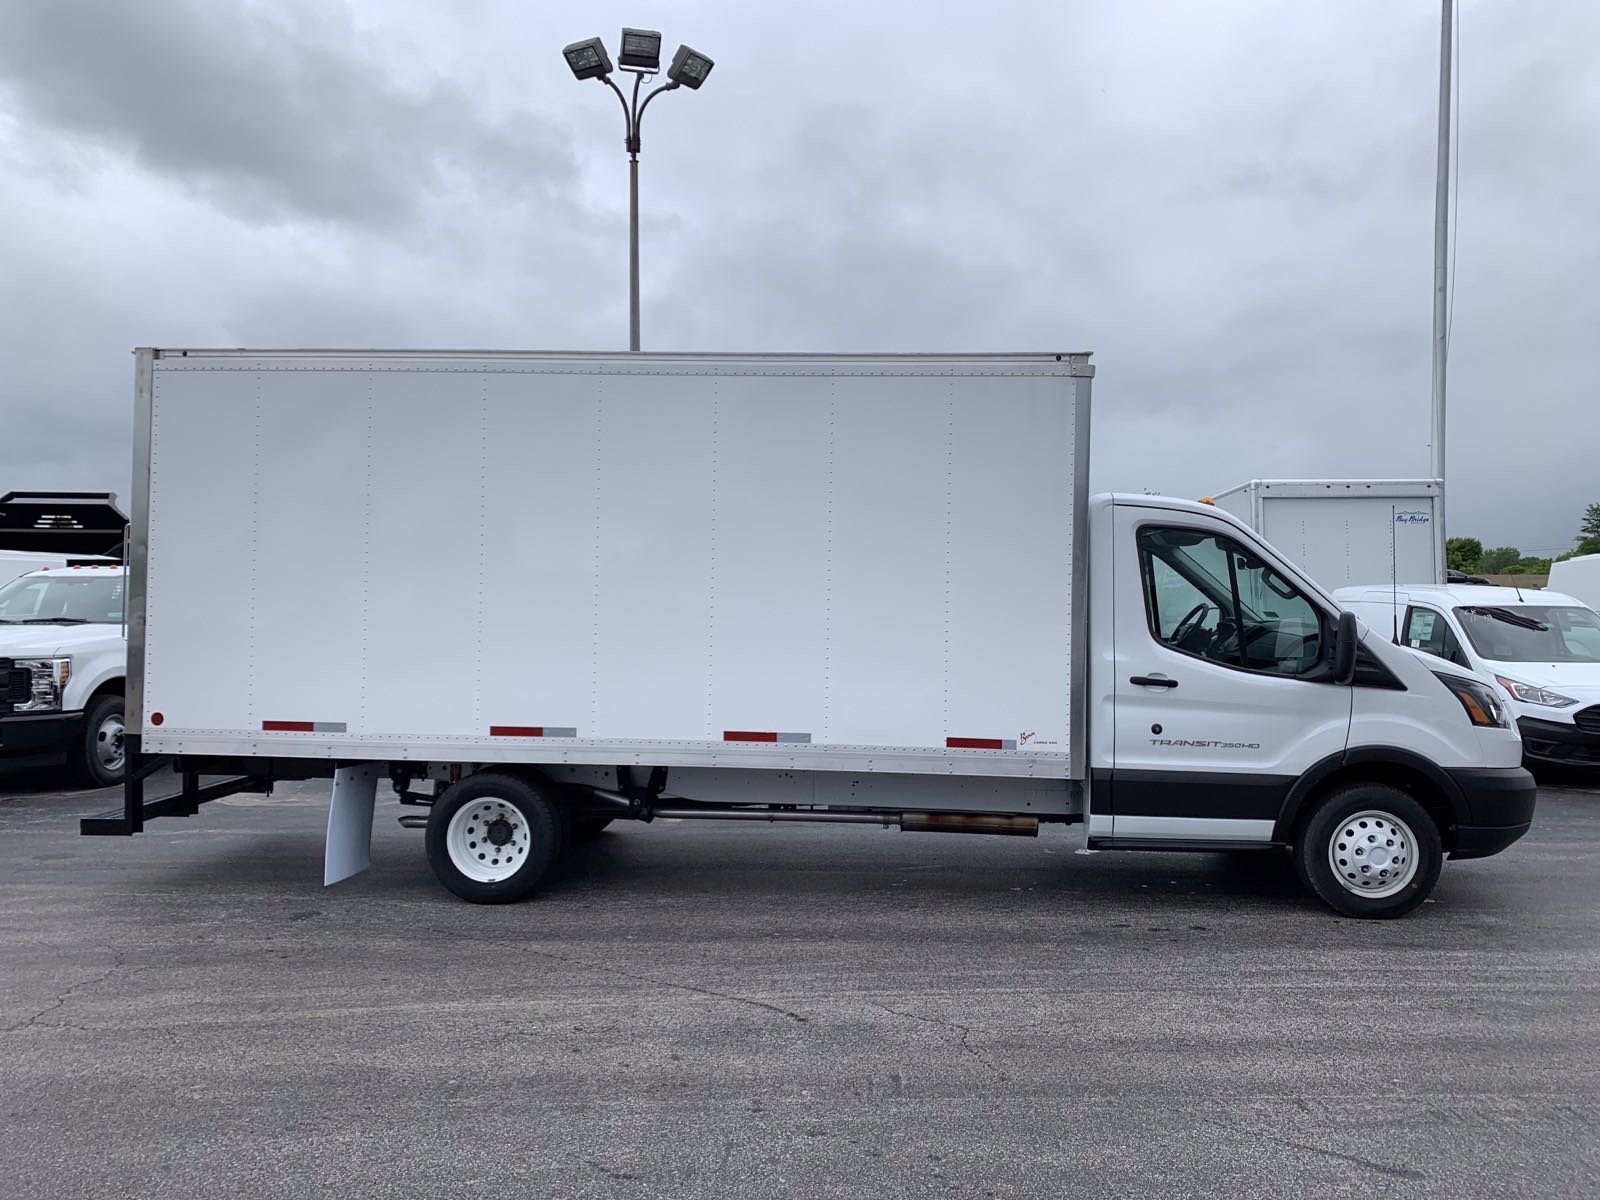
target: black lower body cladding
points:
(1559, 743)
(33, 736)
(1498, 804)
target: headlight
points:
(1482, 705)
(1530, 693)
(50, 677)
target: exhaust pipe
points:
(927, 822)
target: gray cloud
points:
(272, 117)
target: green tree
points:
(1463, 554)
(1528, 566)
(1494, 562)
(1591, 523)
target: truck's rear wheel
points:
(1370, 850)
(492, 837)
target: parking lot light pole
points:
(640, 54)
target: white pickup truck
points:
(63, 644)
(63, 662)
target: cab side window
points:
(1428, 631)
(1208, 596)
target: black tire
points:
(1315, 848)
(99, 760)
(502, 798)
(586, 829)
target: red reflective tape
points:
(516, 731)
(749, 735)
(290, 726)
(974, 744)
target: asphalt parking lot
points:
(707, 1010)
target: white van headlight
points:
(1530, 693)
(50, 676)
(1479, 699)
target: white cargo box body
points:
(858, 563)
(1346, 531)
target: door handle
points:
(1160, 681)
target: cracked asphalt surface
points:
(711, 1010)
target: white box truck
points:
(1345, 531)
(538, 593)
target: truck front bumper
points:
(26, 737)
(1558, 743)
(1498, 809)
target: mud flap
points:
(349, 846)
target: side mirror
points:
(1344, 649)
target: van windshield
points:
(62, 600)
(1532, 632)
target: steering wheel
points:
(1186, 626)
(1228, 642)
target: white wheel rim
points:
(487, 839)
(108, 744)
(1373, 854)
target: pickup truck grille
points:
(1589, 719)
(16, 685)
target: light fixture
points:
(689, 68)
(588, 59)
(639, 55)
(641, 50)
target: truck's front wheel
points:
(101, 758)
(1370, 850)
(492, 837)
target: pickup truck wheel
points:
(100, 758)
(1370, 850)
(492, 837)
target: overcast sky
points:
(1229, 203)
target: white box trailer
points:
(1579, 578)
(538, 593)
(1347, 531)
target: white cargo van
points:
(1542, 648)
(869, 589)
(1579, 578)
(1346, 531)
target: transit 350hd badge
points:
(1200, 743)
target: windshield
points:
(1532, 632)
(62, 599)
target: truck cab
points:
(1232, 723)
(63, 662)
(1541, 648)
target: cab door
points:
(1218, 699)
